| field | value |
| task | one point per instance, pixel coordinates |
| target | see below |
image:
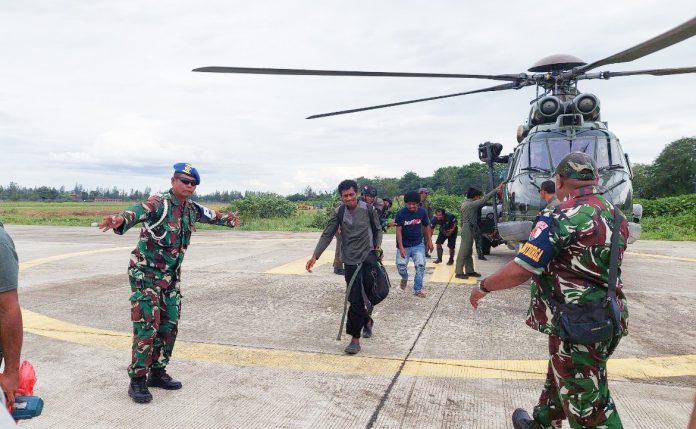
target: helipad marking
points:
(627, 368)
(40, 261)
(631, 368)
(296, 267)
(445, 274)
(651, 255)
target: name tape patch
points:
(531, 251)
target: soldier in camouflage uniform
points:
(154, 273)
(567, 255)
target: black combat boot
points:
(451, 259)
(439, 256)
(160, 378)
(138, 390)
(521, 420)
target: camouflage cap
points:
(577, 165)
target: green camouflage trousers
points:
(155, 311)
(576, 386)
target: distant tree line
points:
(672, 173)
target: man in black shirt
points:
(448, 232)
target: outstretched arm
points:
(133, 215)
(509, 276)
(214, 217)
(326, 236)
(11, 335)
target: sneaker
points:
(521, 420)
(437, 261)
(482, 258)
(420, 294)
(473, 274)
(367, 329)
(403, 284)
(352, 348)
(461, 276)
(450, 262)
(160, 378)
(427, 255)
(138, 390)
(339, 271)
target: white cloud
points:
(105, 88)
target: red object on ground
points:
(27, 379)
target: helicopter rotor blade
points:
(668, 38)
(381, 106)
(303, 72)
(653, 72)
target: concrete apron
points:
(257, 344)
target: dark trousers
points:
(358, 315)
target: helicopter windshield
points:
(562, 147)
(543, 155)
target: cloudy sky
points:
(101, 92)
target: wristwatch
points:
(482, 288)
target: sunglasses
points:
(187, 181)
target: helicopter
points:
(561, 120)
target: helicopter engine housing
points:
(586, 105)
(547, 109)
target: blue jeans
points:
(417, 254)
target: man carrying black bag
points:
(573, 257)
(360, 235)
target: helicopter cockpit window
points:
(538, 156)
(603, 153)
(562, 147)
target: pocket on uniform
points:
(143, 307)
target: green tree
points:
(642, 180)
(410, 182)
(387, 187)
(674, 170)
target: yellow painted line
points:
(630, 368)
(41, 261)
(652, 255)
(296, 267)
(445, 274)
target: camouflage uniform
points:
(568, 255)
(154, 273)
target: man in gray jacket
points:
(360, 233)
(470, 209)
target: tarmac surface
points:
(257, 341)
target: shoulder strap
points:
(341, 213)
(150, 228)
(614, 254)
(370, 213)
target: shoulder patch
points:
(538, 229)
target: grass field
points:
(678, 228)
(85, 214)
